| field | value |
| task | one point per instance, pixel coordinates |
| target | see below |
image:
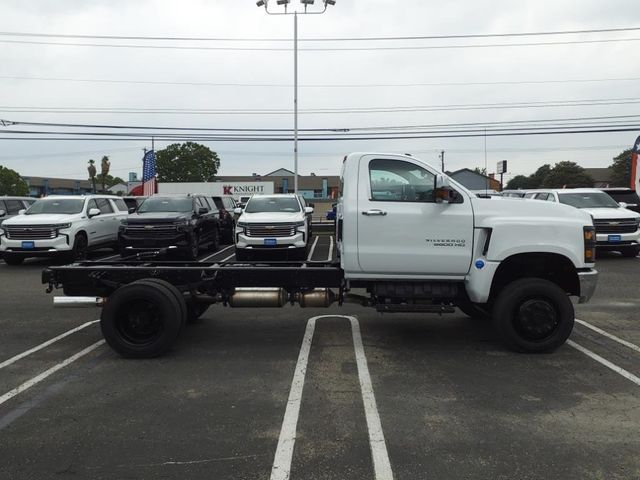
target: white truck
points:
(409, 240)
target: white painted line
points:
(216, 253)
(37, 379)
(284, 452)
(108, 258)
(6, 363)
(330, 256)
(609, 335)
(381, 464)
(229, 257)
(313, 248)
(605, 362)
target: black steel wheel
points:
(171, 290)
(141, 320)
(533, 315)
(12, 259)
(194, 247)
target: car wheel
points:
(171, 290)
(141, 320)
(533, 315)
(80, 247)
(194, 248)
(630, 251)
(12, 259)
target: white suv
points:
(68, 225)
(617, 228)
(272, 223)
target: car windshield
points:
(272, 204)
(166, 204)
(65, 206)
(588, 200)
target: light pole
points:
(306, 3)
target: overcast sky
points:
(45, 75)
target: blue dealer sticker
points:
(479, 264)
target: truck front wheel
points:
(533, 315)
(141, 320)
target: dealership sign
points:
(234, 189)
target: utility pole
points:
(442, 160)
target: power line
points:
(286, 85)
(391, 109)
(329, 39)
(319, 49)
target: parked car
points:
(514, 193)
(617, 228)
(225, 205)
(133, 203)
(625, 197)
(62, 225)
(271, 223)
(181, 223)
(11, 206)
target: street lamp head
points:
(330, 2)
(283, 2)
(261, 3)
(307, 2)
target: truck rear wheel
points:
(171, 290)
(533, 315)
(141, 320)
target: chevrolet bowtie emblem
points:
(148, 226)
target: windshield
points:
(588, 200)
(166, 204)
(272, 204)
(65, 206)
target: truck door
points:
(401, 228)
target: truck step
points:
(404, 308)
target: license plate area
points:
(270, 242)
(615, 238)
(28, 245)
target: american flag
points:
(149, 173)
(635, 168)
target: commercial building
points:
(41, 186)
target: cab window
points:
(399, 181)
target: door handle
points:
(374, 212)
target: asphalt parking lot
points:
(260, 393)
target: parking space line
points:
(605, 362)
(216, 253)
(609, 335)
(313, 248)
(228, 258)
(330, 256)
(6, 363)
(37, 379)
(107, 258)
(284, 452)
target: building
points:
(311, 187)
(601, 177)
(41, 186)
(474, 180)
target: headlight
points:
(62, 226)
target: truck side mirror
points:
(93, 212)
(21, 212)
(237, 211)
(443, 191)
(308, 210)
(622, 204)
(203, 210)
(2, 213)
(132, 210)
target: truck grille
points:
(616, 225)
(270, 230)
(159, 230)
(31, 232)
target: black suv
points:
(225, 207)
(183, 223)
(625, 195)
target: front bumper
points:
(295, 241)
(588, 280)
(41, 248)
(605, 242)
(181, 240)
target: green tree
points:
(517, 182)
(537, 179)
(187, 162)
(108, 181)
(480, 171)
(621, 169)
(11, 183)
(567, 174)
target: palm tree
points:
(105, 165)
(92, 173)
